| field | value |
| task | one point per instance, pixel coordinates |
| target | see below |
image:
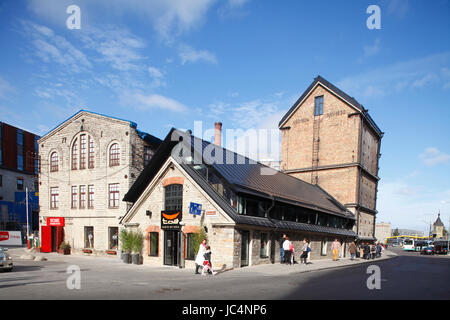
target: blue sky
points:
(167, 63)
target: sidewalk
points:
(314, 265)
(264, 269)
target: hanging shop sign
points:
(171, 219)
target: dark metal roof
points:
(340, 93)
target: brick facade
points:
(347, 153)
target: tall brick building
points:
(88, 163)
(329, 139)
(18, 172)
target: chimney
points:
(218, 134)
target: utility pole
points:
(26, 204)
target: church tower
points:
(329, 139)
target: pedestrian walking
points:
(200, 256)
(292, 250)
(335, 247)
(366, 250)
(282, 249)
(287, 250)
(305, 250)
(207, 265)
(352, 249)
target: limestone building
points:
(329, 139)
(88, 163)
(243, 206)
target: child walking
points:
(207, 266)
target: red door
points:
(46, 239)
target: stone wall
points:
(104, 131)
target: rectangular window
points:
(90, 197)
(83, 151)
(89, 237)
(264, 241)
(54, 198)
(19, 184)
(19, 149)
(74, 197)
(113, 237)
(190, 246)
(91, 153)
(114, 195)
(147, 155)
(153, 243)
(36, 185)
(323, 250)
(173, 197)
(318, 107)
(82, 197)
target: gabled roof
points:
(153, 141)
(438, 222)
(244, 176)
(341, 94)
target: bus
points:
(408, 245)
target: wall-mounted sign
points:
(10, 238)
(195, 209)
(171, 219)
(55, 222)
(211, 214)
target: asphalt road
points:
(408, 276)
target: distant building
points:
(382, 231)
(274, 164)
(88, 163)
(18, 171)
(438, 227)
(409, 232)
(329, 139)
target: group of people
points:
(203, 259)
(371, 251)
(287, 251)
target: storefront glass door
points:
(171, 248)
(245, 239)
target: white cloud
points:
(189, 54)
(373, 49)
(152, 101)
(432, 156)
(396, 77)
(5, 88)
(168, 17)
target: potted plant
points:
(126, 243)
(137, 245)
(64, 248)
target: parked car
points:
(427, 250)
(6, 262)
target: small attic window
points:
(318, 106)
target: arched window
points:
(75, 155)
(114, 155)
(54, 162)
(173, 199)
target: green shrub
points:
(126, 240)
(137, 241)
(64, 246)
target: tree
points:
(395, 233)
